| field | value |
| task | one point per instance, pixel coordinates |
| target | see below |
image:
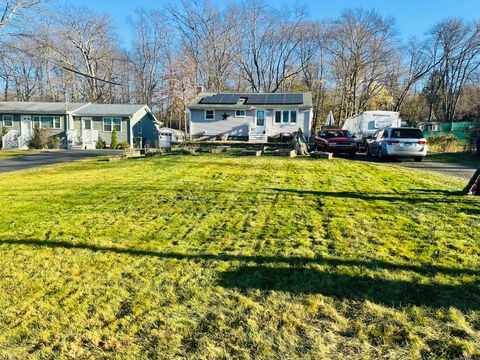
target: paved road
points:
(28, 161)
(458, 170)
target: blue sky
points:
(412, 17)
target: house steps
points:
(258, 138)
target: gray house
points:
(78, 125)
(252, 117)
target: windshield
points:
(406, 134)
(330, 134)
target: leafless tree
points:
(361, 44)
(206, 38)
(457, 45)
(267, 41)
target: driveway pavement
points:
(28, 161)
(458, 170)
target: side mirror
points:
(354, 136)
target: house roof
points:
(109, 109)
(77, 109)
(251, 100)
(38, 107)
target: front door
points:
(26, 125)
(259, 122)
(87, 134)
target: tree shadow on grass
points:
(424, 269)
(393, 293)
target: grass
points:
(219, 256)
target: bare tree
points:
(267, 41)
(361, 45)
(457, 45)
(149, 53)
(14, 14)
(206, 38)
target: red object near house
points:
(336, 141)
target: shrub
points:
(443, 143)
(3, 133)
(124, 145)
(55, 142)
(40, 138)
(472, 134)
(114, 142)
(101, 144)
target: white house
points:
(253, 117)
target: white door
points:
(259, 125)
(87, 133)
(26, 125)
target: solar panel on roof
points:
(257, 99)
(293, 98)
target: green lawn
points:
(218, 256)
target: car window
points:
(379, 134)
(336, 134)
(407, 134)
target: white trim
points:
(60, 122)
(240, 116)
(3, 120)
(205, 114)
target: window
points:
(117, 125)
(406, 134)
(139, 128)
(54, 122)
(278, 117)
(107, 124)
(260, 118)
(46, 121)
(57, 124)
(87, 124)
(209, 114)
(112, 123)
(286, 116)
(239, 113)
(293, 116)
(8, 120)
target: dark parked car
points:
(336, 141)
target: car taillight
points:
(421, 142)
(392, 142)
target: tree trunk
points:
(473, 186)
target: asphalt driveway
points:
(28, 161)
(458, 170)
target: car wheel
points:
(418, 159)
(381, 154)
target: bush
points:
(443, 143)
(56, 142)
(3, 133)
(40, 138)
(101, 144)
(124, 145)
(472, 135)
(114, 142)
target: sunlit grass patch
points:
(224, 256)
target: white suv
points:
(405, 142)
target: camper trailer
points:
(364, 125)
